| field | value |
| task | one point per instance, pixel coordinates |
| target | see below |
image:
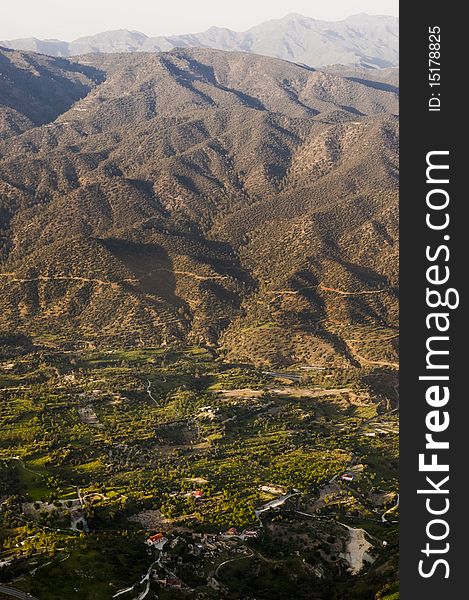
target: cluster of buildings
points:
(168, 582)
(174, 552)
(158, 540)
(209, 544)
(246, 534)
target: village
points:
(200, 472)
(204, 555)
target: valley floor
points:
(170, 473)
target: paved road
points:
(144, 580)
(274, 503)
(225, 562)
(150, 394)
(390, 510)
(14, 593)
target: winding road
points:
(144, 580)
(225, 562)
(14, 593)
(347, 293)
(150, 394)
(275, 503)
(390, 510)
(368, 361)
(12, 277)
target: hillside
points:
(36, 89)
(368, 40)
(200, 196)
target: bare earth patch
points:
(356, 549)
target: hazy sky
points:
(69, 19)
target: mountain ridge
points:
(362, 39)
(202, 196)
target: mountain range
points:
(199, 196)
(367, 40)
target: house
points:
(172, 582)
(250, 533)
(157, 541)
(232, 531)
(197, 494)
(347, 476)
(273, 489)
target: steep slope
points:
(369, 40)
(36, 89)
(205, 196)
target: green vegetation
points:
(198, 320)
(138, 432)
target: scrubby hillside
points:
(200, 196)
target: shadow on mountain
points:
(151, 266)
(376, 85)
(208, 76)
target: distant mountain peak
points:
(293, 16)
(295, 37)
